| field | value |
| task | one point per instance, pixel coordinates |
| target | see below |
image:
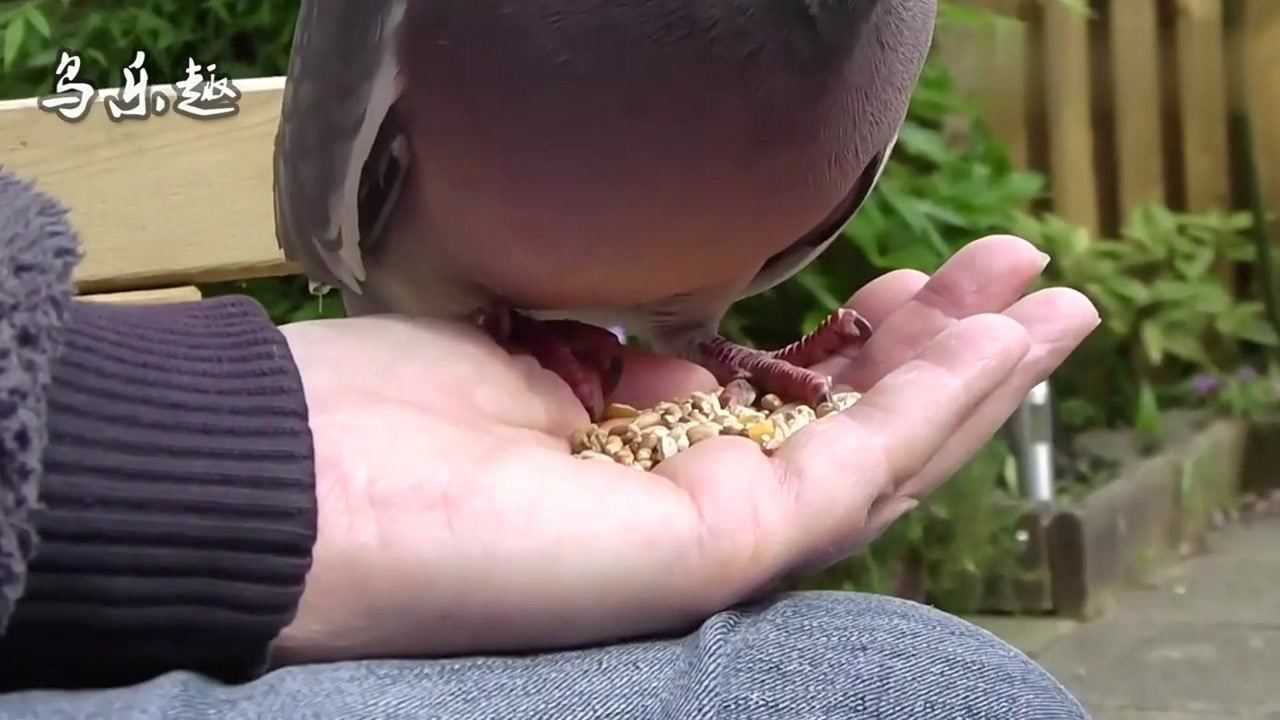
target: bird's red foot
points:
(785, 372)
(586, 357)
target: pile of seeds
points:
(643, 438)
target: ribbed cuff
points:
(178, 501)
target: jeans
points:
(804, 656)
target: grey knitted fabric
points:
(38, 252)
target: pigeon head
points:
(549, 124)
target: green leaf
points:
(1186, 347)
(929, 144)
(1131, 289)
(1153, 342)
(1247, 321)
(942, 214)
(1184, 319)
(1205, 297)
(1079, 412)
(37, 20)
(813, 282)
(912, 257)
(97, 56)
(14, 33)
(1025, 184)
(219, 9)
(1194, 262)
(1173, 291)
(1147, 419)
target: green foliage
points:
(962, 535)
(1168, 308)
(1245, 393)
(243, 37)
(286, 300)
(1249, 395)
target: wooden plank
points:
(168, 200)
(1072, 173)
(1135, 69)
(1202, 80)
(1261, 28)
(186, 293)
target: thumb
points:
(649, 378)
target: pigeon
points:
(550, 169)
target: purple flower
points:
(1205, 384)
(1247, 374)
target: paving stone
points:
(1201, 641)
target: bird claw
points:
(587, 358)
(785, 372)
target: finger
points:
(876, 301)
(986, 276)
(830, 474)
(842, 468)
(883, 296)
(1057, 320)
(648, 378)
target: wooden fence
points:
(1131, 104)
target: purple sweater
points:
(157, 500)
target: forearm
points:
(177, 504)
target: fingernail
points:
(1045, 259)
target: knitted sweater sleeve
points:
(157, 483)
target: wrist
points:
(320, 628)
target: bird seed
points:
(642, 438)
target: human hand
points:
(453, 519)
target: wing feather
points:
(343, 80)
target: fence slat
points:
(1262, 91)
(1135, 65)
(1202, 104)
(160, 296)
(988, 62)
(1072, 170)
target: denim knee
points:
(807, 656)
(837, 655)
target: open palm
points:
(454, 520)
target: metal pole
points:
(1031, 428)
